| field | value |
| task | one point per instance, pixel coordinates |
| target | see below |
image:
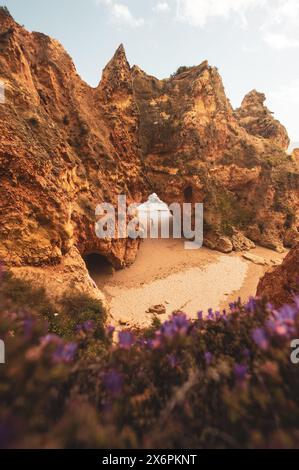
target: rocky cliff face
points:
(194, 146)
(256, 118)
(65, 147)
(280, 285)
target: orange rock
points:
(280, 285)
(65, 147)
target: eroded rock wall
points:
(65, 147)
(282, 283)
(191, 139)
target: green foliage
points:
(20, 294)
(17, 294)
(77, 309)
(231, 213)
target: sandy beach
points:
(166, 274)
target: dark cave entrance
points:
(98, 266)
(188, 194)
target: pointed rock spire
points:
(6, 20)
(119, 60)
(258, 120)
(120, 52)
(117, 73)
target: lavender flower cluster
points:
(224, 379)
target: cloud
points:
(161, 7)
(280, 41)
(121, 14)
(281, 27)
(199, 12)
(277, 20)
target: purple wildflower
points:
(241, 372)
(88, 326)
(208, 358)
(251, 305)
(200, 316)
(234, 305)
(173, 361)
(51, 339)
(287, 312)
(260, 338)
(177, 324)
(28, 325)
(283, 321)
(110, 330)
(154, 343)
(65, 353)
(126, 339)
(181, 322)
(225, 316)
(113, 382)
(168, 329)
(210, 315)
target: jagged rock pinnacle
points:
(120, 49)
(257, 119)
(120, 56)
(116, 74)
(254, 97)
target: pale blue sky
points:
(254, 43)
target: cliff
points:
(65, 147)
(194, 146)
(282, 283)
(256, 118)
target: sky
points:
(254, 43)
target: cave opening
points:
(98, 266)
(188, 194)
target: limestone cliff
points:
(282, 283)
(194, 146)
(256, 118)
(65, 147)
